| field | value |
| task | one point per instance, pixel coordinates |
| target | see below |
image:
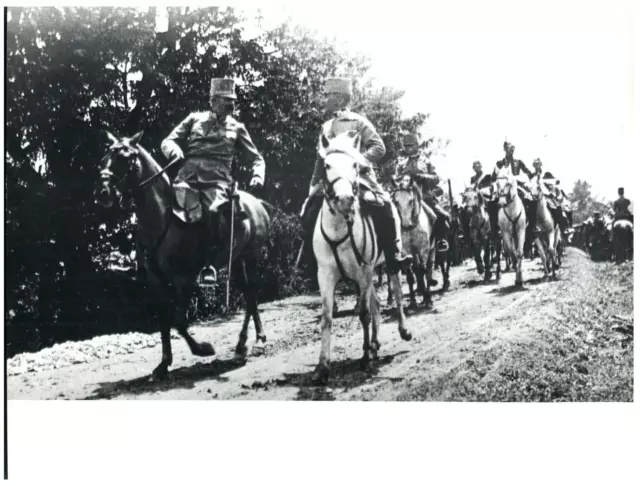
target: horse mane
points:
(148, 158)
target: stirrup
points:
(442, 245)
(208, 277)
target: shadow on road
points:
(185, 377)
(345, 375)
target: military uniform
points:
(209, 143)
(518, 167)
(371, 146)
(384, 213)
(555, 199)
(210, 147)
(621, 209)
(426, 180)
(483, 182)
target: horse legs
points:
(181, 323)
(445, 270)
(365, 298)
(411, 282)
(394, 280)
(389, 293)
(477, 249)
(374, 309)
(327, 281)
(429, 270)
(498, 245)
(243, 270)
(519, 255)
(487, 260)
(160, 372)
(544, 256)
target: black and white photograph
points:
(365, 202)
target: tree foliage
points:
(72, 72)
(584, 203)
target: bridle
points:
(416, 209)
(329, 191)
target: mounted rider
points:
(517, 167)
(556, 195)
(481, 181)
(621, 207)
(384, 213)
(425, 182)
(208, 141)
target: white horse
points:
(418, 239)
(511, 219)
(346, 246)
(547, 242)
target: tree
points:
(583, 202)
(72, 72)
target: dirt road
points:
(569, 339)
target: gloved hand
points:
(175, 153)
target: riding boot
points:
(530, 233)
(309, 219)
(492, 209)
(208, 275)
(388, 229)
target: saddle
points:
(188, 203)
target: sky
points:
(556, 79)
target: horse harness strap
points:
(513, 221)
(335, 244)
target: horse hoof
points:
(365, 363)
(405, 334)
(239, 358)
(428, 304)
(446, 285)
(320, 375)
(159, 374)
(258, 348)
(412, 305)
(519, 285)
(204, 349)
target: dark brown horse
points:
(170, 251)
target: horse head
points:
(506, 187)
(472, 199)
(342, 163)
(407, 203)
(120, 169)
(538, 189)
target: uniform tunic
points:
(209, 147)
(371, 145)
(424, 173)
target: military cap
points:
(339, 85)
(410, 138)
(223, 87)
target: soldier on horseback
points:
(208, 142)
(557, 195)
(482, 182)
(517, 166)
(621, 207)
(386, 219)
(425, 181)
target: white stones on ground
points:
(71, 353)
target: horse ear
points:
(324, 141)
(136, 138)
(110, 136)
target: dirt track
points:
(570, 339)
